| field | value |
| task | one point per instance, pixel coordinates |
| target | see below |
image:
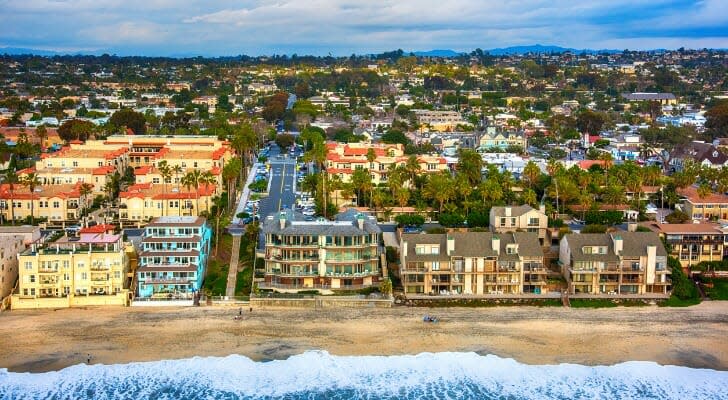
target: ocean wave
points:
(317, 374)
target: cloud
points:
(128, 32)
(223, 27)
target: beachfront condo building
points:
(321, 254)
(173, 257)
(620, 263)
(472, 263)
(345, 158)
(13, 241)
(144, 201)
(711, 207)
(55, 203)
(91, 269)
(93, 162)
(693, 243)
(96, 161)
(523, 218)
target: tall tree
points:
(470, 164)
(11, 178)
(166, 172)
(128, 118)
(31, 181)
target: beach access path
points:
(43, 340)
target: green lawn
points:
(719, 290)
(216, 279)
(674, 301)
(592, 303)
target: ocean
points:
(319, 375)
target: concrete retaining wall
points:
(21, 303)
(320, 302)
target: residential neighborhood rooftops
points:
(691, 193)
(473, 244)
(183, 221)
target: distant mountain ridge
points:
(513, 50)
(538, 48)
(17, 51)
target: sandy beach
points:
(48, 340)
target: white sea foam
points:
(317, 374)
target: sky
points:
(343, 27)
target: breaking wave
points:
(319, 375)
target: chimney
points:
(618, 245)
(282, 219)
(450, 245)
(360, 221)
(631, 227)
(508, 211)
(495, 244)
(542, 208)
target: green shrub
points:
(594, 229)
(409, 220)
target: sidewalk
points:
(245, 193)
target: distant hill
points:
(537, 48)
(437, 53)
(19, 50)
(14, 51)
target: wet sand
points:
(45, 340)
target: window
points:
(56, 204)
(28, 265)
(435, 265)
(155, 180)
(31, 278)
(84, 276)
(117, 274)
(533, 222)
(503, 221)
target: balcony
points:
(99, 268)
(294, 274)
(72, 206)
(47, 270)
(166, 281)
(100, 278)
(290, 259)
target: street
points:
(282, 179)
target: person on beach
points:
(88, 359)
(240, 312)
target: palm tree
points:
(207, 179)
(11, 178)
(85, 190)
(188, 181)
(230, 174)
(403, 197)
(490, 191)
(529, 197)
(195, 177)
(704, 190)
(243, 141)
(317, 155)
(31, 181)
(439, 188)
(166, 172)
(42, 134)
(531, 173)
(412, 166)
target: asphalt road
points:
(282, 178)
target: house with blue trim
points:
(173, 257)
